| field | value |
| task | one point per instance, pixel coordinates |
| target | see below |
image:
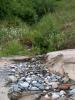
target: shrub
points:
(25, 11)
(40, 41)
(54, 42)
(46, 37)
(6, 7)
(29, 11)
(44, 6)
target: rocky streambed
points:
(32, 80)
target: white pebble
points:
(62, 92)
(55, 95)
(46, 96)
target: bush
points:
(6, 7)
(51, 42)
(25, 11)
(44, 6)
(40, 41)
(29, 11)
(46, 37)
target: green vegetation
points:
(30, 27)
(29, 11)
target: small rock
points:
(24, 85)
(62, 93)
(44, 72)
(55, 96)
(44, 92)
(13, 70)
(14, 88)
(33, 59)
(40, 81)
(72, 92)
(65, 79)
(12, 66)
(34, 82)
(33, 76)
(28, 79)
(47, 88)
(22, 79)
(54, 84)
(72, 87)
(11, 79)
(46, 96)
(17, 76)
(33, 88)
(37, 84)
(31, 73)
(27, 68)
(64, 86)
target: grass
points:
(54, 31)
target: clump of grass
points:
(46, 37)
(13, 48)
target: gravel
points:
(33, 76)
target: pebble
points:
(62, 93)
(24, 85)
(64, 86)
(33, 88)
(28, 79)
(46, 96)
(71, 92)
(34, 82)
(47, 88)
(14, 88)
(54, 84)
(65, 79)
(72, 87)
(12, 66)
(13, 70)
(55, 95)
(11, 79)
(22, 79)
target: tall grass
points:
(54, 31)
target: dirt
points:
(3, 89)
(27, 98)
